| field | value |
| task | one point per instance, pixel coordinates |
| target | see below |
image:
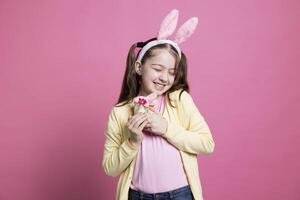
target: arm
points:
(196, 138)
(117, 156)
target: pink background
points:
(61, 67)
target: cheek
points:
(148, 77)
(172, 79)
(151, 75)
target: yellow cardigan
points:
(187, 131)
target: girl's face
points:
(157, 73)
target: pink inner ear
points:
(186, 30)
(168, 25)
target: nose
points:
(164, 77)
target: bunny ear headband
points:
(167, 28)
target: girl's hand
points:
(136, 124)
(156, 123)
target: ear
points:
(186, 30)
(168, 25)
(138, 68)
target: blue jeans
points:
(183, 193)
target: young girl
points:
(155, 131)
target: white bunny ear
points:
(186, 30)
(168, 25)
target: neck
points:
(142, 92)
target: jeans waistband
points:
(167, 193)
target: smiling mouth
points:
(159, 86)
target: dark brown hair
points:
(131, 86)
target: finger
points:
(152, 109)
(132, 119)
(143, 124)
(139, 120)
(138, 123)
(148, 125)
(129, 125)
(138, 115)
(156, 112)
(149, 117)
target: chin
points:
(158, 92)
(161, 92)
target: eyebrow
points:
(162, 65)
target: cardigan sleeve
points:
(196, 138)
(117, 155)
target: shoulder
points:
(180, 96)
(182, 102)
(121, 111)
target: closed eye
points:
(157, 69)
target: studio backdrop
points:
(61, 69)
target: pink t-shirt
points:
(158, 166)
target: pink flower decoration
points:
(142, 101)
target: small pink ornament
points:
(143, 104)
